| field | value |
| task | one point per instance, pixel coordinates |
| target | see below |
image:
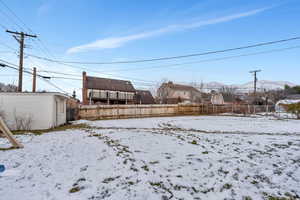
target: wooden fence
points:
(158, 110)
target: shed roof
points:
(288, 101)
(34, 94)
(109, 84)
(293, 96)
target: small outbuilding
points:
(33, 111)
(281, 106)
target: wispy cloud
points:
(44, 8)
(115, 42)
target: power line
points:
(16, 68)
(12, 12)
(7, 46)
(23, 24)
(41, 45)
(61, 73)
(207, 60)
(186, 63)
(44, 78)
(2, 26)
(13, 21)
(172, 65)
(55, 86)
(172, 57)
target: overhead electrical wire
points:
(178, 64)
(187, 63)
(142, 60)
(2, 26)
(170, 65)
(40, 44)
(172, 57)
(205, 60)
(44, 78)
(58, 88)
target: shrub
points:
(295, 109)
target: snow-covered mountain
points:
(266, 85)
(246, 87)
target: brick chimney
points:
(85, 100)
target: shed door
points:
(56, 113)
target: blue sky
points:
(107, 31)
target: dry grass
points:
(56, 129)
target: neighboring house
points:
(97, 90)
(33, 111)
(144, 97)
(170, 93)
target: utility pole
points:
(255, 79)
(21, 42)
(34, 80)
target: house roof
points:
(109, 84)
(179, 87)
(144, 96)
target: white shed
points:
(34, 111)
(281, 105)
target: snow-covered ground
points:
(204, 157)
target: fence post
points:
(118, 112)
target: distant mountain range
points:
(246, 87)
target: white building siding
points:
(39, 107)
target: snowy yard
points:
(204, 157)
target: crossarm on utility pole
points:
(21, 41)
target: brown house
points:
(96, 90)
(170, 93)
(144, 97)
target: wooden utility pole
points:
(21, 39)
(34, 80)
(255, 79)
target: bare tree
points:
(228, 90)
(8, 88)
(22, 122)
(228, 93)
